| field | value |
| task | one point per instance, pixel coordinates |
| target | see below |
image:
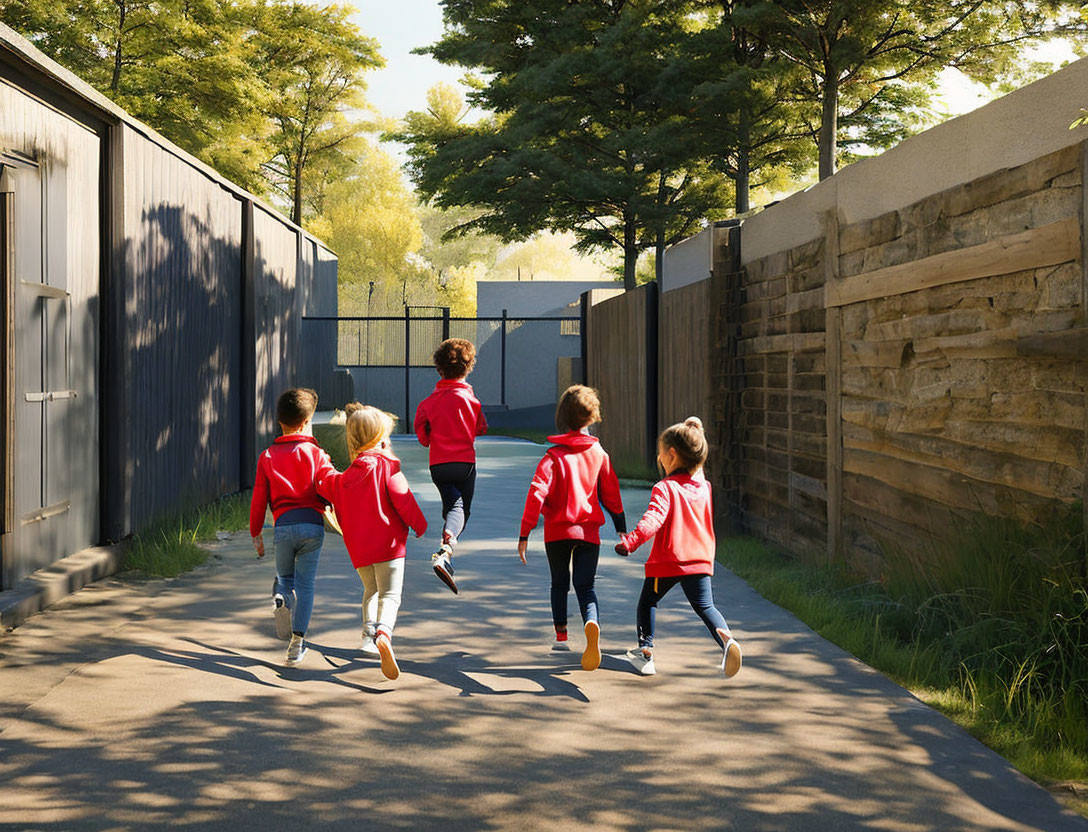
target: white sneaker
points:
(282, 615)
(641, 662)
(731, 655)
(442, 564)
(370, 648)
(296, 650)
(561, 646)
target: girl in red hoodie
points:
(375, 508)
(680, 519)
(571, 482)
(448, 422)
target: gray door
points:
(38, 381)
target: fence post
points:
(583, 332)
(1084, 320)
(407, 370)
(502, 376)
(652, 404)
(445, 323)
(833, 370)
(248, 397)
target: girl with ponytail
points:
(680, 519)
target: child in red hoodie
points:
(571, 482)
(680, 519)
(448, 422)
(376, 508)
(286, 473)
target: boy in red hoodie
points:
(376, 509)
(286, 473)
(448, 422)
(681, 521)
(571, 482)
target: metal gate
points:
(521, 365)
(47, 513)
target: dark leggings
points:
(573, 560)
(700, 595)
(456, 483)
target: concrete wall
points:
(691, 260)
(1011, 131)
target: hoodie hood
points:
(366, 464)
(575, 440)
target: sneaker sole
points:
(282, 616)
(446, 578)
(591, 656)
(732, 658)
(390, 668)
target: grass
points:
(990, 628)
(170, 546)
(333, 439)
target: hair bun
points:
(352, 407)
(693, 422)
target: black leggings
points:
(575, 559)
(700, 595)
(456, 483)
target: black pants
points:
(577, 560)
(700, 595)
(456, 483)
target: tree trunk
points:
(742, 183)
(296, 196)
(659, 255)
(115, 81)
(630, 255)
(829, 125)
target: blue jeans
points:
(700, 595)
(298, 549)
(573, 560)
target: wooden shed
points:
(151, 314)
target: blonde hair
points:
(578, 408)
(688, 439)
(366, 427)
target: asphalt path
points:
(135, 704)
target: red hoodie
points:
(375, 508)
(571, 481)
(680, 519)
(448, 422)
(286, 473)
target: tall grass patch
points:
(170, 545)
(989, 626)
(334, 440)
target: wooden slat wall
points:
(781, 418)
(950, 402)
(616, 343)
(684, 354)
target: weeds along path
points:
(140, 703)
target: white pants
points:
(382, 584)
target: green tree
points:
(582, 138)
(867, 65)
(311, 58)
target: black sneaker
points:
(442, 563)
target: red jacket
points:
(286, 473)
(571, 481)
(680, 519)
(448, 422)
(375, 508)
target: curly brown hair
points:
(455, 358)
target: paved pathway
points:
(135, 704)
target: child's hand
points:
(621, 549)
(258, 544)
(523, 545)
